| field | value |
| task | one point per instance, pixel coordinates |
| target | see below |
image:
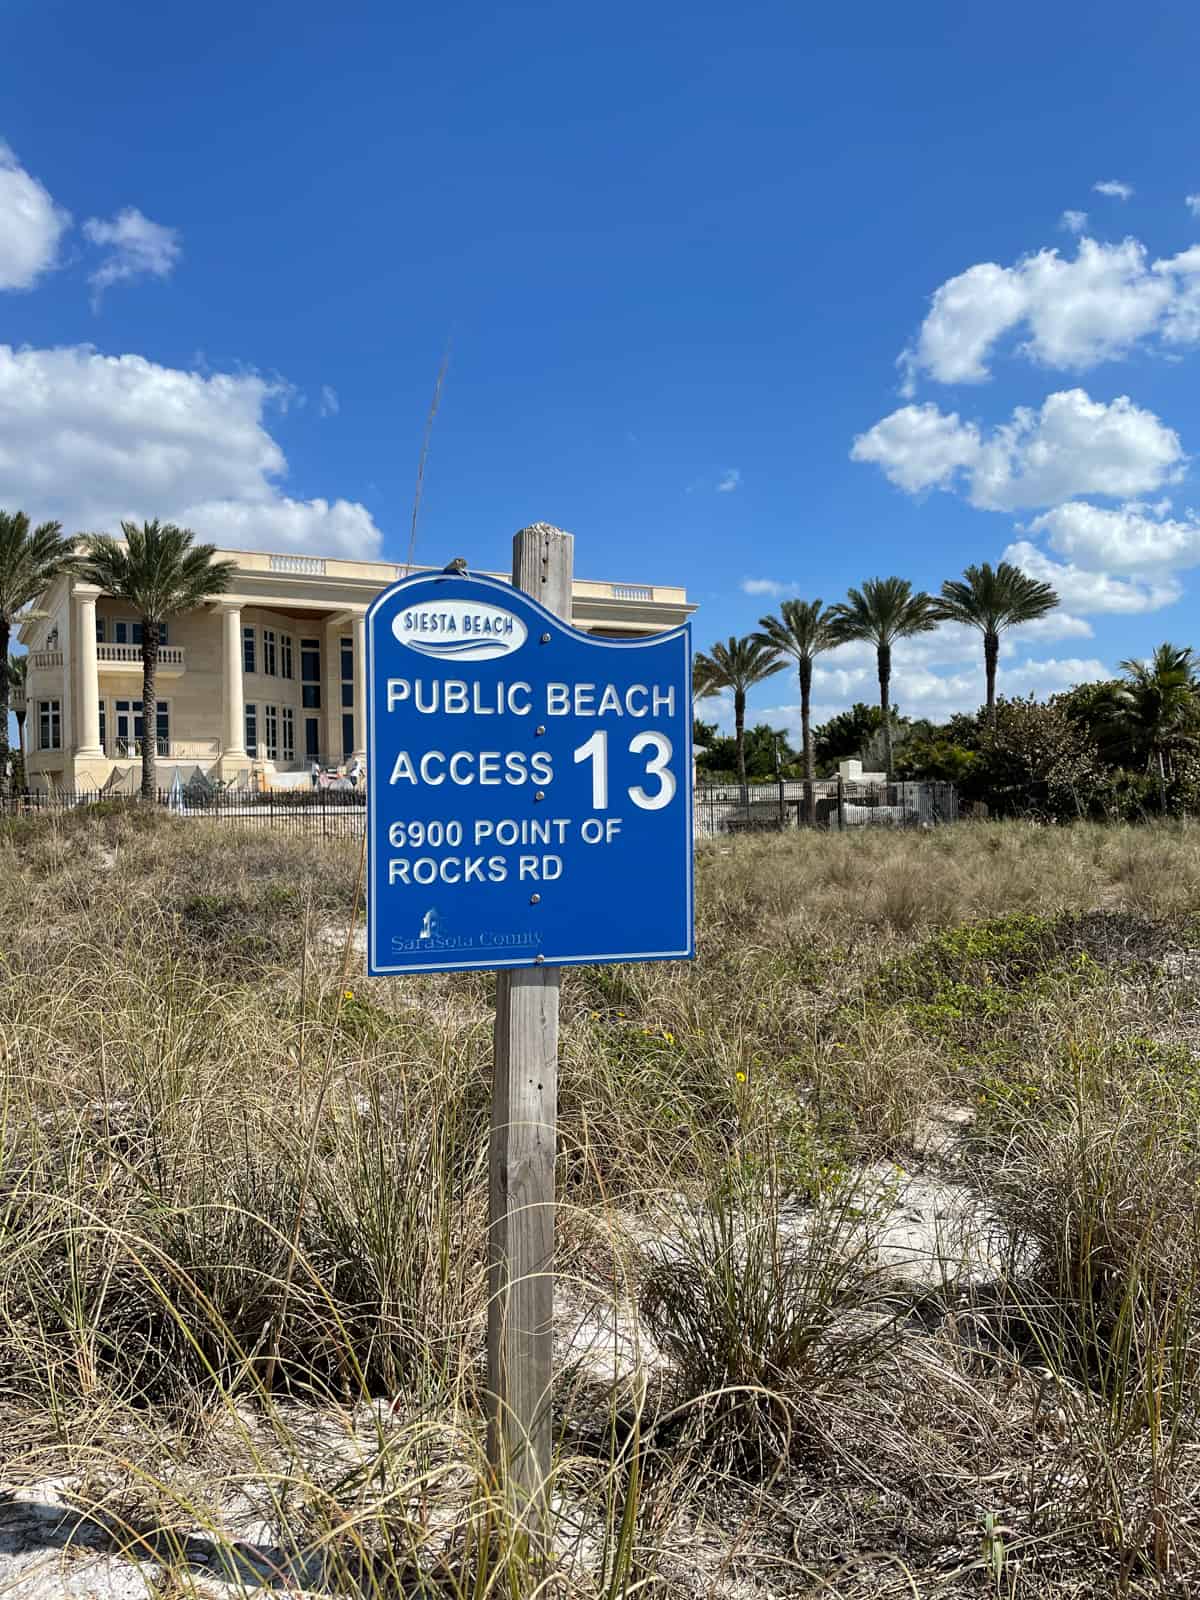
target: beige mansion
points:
(262, 681)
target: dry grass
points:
(183, 1080)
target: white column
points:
(235, 695)
(89, 676)
(360, 687)
(331, 686)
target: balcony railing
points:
(16, 700)
(45, 660)
(130, 655)
(311, 566)
(165, 749)
(631, 591)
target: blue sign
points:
(529, 785)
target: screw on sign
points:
(530, 807)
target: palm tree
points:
(1157, 708)
(802, 630)
(160, 572)
(18, 673)
(30, 560)
(738, 665)
(882, 611)
(992, 599)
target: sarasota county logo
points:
(459, 630)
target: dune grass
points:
(243, 1203)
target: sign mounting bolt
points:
(539, 732)
(545, 638)
(539, 961)
(540, 795)
(535, 899)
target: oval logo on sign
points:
(459, 630)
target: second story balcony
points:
(172, 659)
(123, 658)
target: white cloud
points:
(1127, 538)
(730, 481)
(90, 439)
(137, 248)
(1192, 202)
(919, 692)
(1073, 221)
(1075, 313)
(330, 405)
(765, 586)
(1092, 591)
(31, 225)
(1073, 446)
(919, 447)
(1114, 188)
(1059, 624)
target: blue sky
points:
(680, 255)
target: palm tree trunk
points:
(739, 737)
(884, 660)
(5, 633)
(1162, 784)
(991, 655)
(810, 760)
(20, 716)
(149, 706)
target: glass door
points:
(130, 727)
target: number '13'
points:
(596, 751)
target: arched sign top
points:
(530, 785)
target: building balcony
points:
(172, 659)
(16, 700)
(45, 661)
(165, 750)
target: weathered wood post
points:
(522, 1150)
(841, 801)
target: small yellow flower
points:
(348, 994)
(620, 1013)
(669, 1037)
(595, 1016)
(740, 1076)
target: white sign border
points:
(493, 963)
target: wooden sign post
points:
(529, 807)
(520, 1345)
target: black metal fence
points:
(721, 809)
(326, 813)
(728, 808)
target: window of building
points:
(50, 725)
(285, 656)
(249, 655)
(52, 638)
(289, 733)
(103, 725)
(269, 652)
(99, 630)
(131, 727)
(271, 732)
(126, 631)
(347, 661)
(312, 738)
(251, 729)
(347, 734)
(310, 673)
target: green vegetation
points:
(243, 1203)
(160, 571)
